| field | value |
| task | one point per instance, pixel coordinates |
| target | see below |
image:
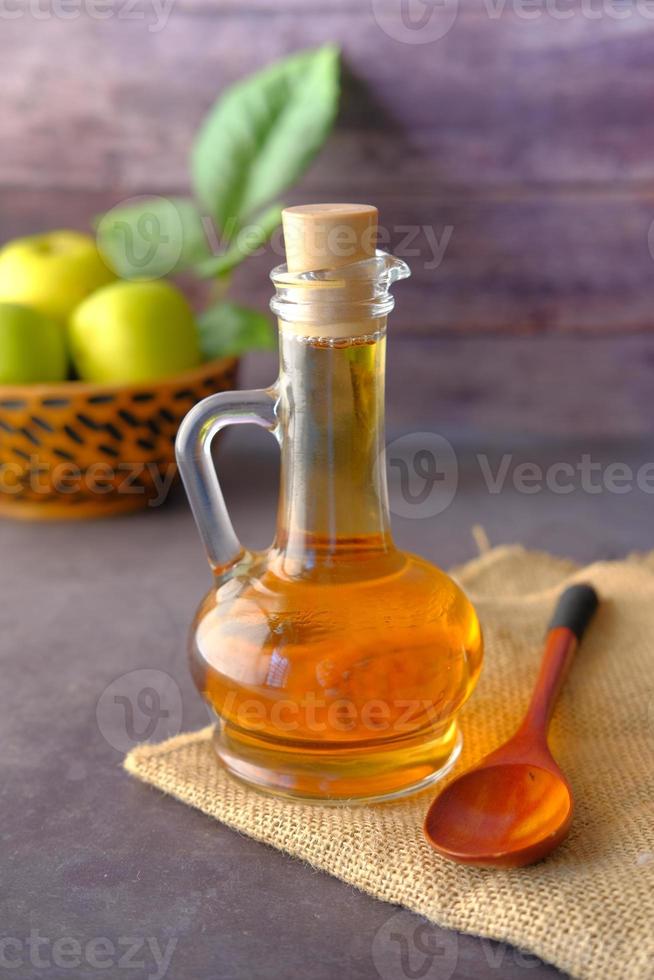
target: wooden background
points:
(531, 137)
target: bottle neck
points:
(333, 504)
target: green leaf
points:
(248, 240)
(263, 132)
(228, 330)
(152, 237)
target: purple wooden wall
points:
(530, 137)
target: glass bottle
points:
(335, 663)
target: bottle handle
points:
(197, 470)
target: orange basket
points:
(74, 450)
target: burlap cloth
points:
(589, 908)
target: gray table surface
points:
(100, 870)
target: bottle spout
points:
(395, 269)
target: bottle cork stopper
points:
(328, 236)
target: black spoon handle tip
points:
(575, 609)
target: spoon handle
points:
(573, 613)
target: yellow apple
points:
(53, 272)
(32, 346)
(133, 331)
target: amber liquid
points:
(334, 662)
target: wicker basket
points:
(76, 450)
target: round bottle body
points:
(338, 684)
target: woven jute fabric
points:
(588, 908)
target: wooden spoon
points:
(516, 805)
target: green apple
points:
(134, 331)
(32, 346)
(52, 272)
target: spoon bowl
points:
(503, 815)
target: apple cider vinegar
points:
(335, 663)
